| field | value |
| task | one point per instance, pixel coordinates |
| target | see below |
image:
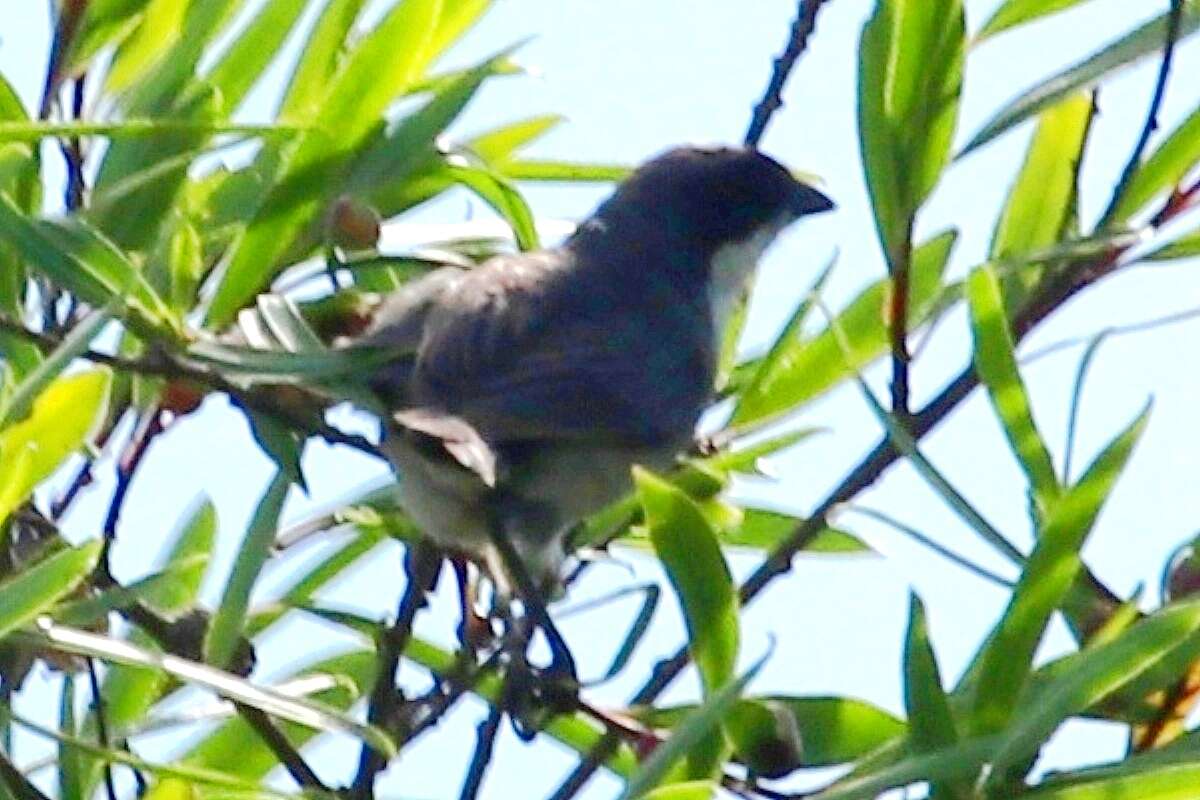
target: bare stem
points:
(772, 99)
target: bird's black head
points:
(714, 195)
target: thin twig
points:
(485, 743)
(900, 265)
(1156, 101)
(772, 99)
(421, 565)
(101, 714)
(283, 749)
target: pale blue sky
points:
(635, 77)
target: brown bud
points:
(1183, 574)
(353, 224)
(181, 397)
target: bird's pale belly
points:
(544, 491)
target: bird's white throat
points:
(732, 266)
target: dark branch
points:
(421, 565)
(283, 749)
(484, 745)
(1156, 101)
(101, 713)
(772, 99)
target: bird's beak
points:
(807, 200)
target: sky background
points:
(634, 78)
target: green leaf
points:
(11, 108)
(504, 199)
(75, 344)
(763, 529)
(1097, 673)
(232, 787)
(909, 80)
(1019, 12)
(688, 790)
(190, 548)
(81, 260)
(34, 591)
(236, 748)
(172, 79)
(997, 368)
(228, 622)
(144, 130)
(383, 65)
(255, 48)
(526, 169)
(104, 21)
(1184, 247)
(61, 419)
(1041, 204)
(1006, 663)
(1172, 782)
(306, 712)
(960, 763)
(1162, 171)
(319, 60)
(931, 722)
(835, 730)
(699, 725)
(306, 584)
(498, 145)
(1129, 49)
(69, 763)
(688, 548)
(806, 368)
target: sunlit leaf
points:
(1048, 576)
(1097, 673)
(1041, 204)
(228, 622)
(909, 80)
(809, 367)
(60, 420)
(1012, 13)
(1125, 51)
(35, 590)
(1163, 170)
(997, 368)
(689, 551)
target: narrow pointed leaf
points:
(1042, 202)
(1006, 663)
(997, 368)
(688, 548)
(808, 368)
(1163, 170)
(1125, 51)
(1020, 12)
(909, 80)
(34, 591)
(228, 622)
(699, 724)
(244, 62)
(1097, 673)
(300, 710)
(61, 419)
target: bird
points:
(525, 389)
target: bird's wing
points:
(539, 351)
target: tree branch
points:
(1156, 101)
(421, 565)
(772, 99)
(283, 749)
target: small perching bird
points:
(524, 390)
